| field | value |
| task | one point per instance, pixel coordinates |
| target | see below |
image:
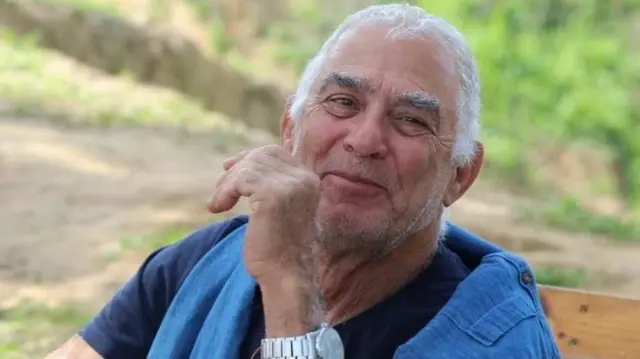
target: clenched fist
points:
(283, 195)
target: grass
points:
(101, 6)
(569, 215)
(167, 235)
(30, 329)
(160, 239)
(37, 82)
(562, 277)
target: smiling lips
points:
(353, 183)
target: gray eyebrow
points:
(419, 100)
(345, 81)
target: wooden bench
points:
(592, 325)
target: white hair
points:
(410, 21)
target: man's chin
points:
(348, 216)
(351, 229)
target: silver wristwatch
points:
(324, 343)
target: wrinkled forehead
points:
(370, 59)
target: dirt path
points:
(69, 194)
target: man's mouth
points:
(356, 179)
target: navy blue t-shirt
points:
(126, 326)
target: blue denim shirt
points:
(494, 313)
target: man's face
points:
(379, 131)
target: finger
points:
(223, 177)
(279, 153)
(224, 200)
(240, 181)
(226, 195)
(275, 158)
(252, 156)
(231, 161)
(276, 162)
(260, 157)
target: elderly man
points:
(344, 253)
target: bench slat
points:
(591, 325)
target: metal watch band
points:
(300, 347)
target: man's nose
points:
(367, 137)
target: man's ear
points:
(465, 175)
(286, 126)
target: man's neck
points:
(351, 284)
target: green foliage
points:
(220, 41)
(39, 82)
(101, 6)
(561, 277)
(204, 8)
(299, 40)
(568, 214)
(551, 71)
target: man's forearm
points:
(74, 348)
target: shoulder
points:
(183, 255)
(168, 266)
(498, 306)
(203, 239)
(495, 313)
(127, 324)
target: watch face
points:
(329, 344)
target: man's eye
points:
(412, 120)
(341, 107)
(413, 126)
(343, 101)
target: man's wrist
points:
(291, 306)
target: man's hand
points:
(283, 196)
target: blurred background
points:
(116, 114)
